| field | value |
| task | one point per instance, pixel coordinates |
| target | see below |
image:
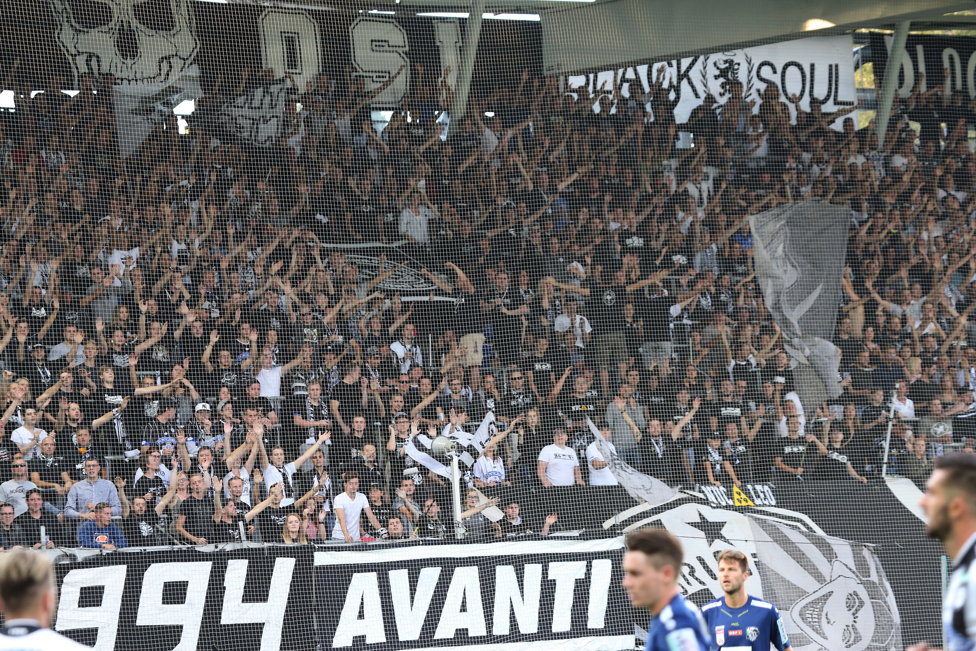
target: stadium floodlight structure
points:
(444, 448)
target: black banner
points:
(524, 593)
(154, 42)
(820, 538)
(929, 57)
(820, 548)
(254, 599)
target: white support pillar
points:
(469, 48)
(891, 79)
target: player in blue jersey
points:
(950, 505)
(652, 564)
(738, 622)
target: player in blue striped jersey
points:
(652, 564)
(738, 622)
(950, 506)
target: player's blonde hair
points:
(25, 576)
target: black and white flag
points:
(257, 117)
(641, 487)
(470, 446)
(140, 107)
(799, 261)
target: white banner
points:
(819, 68)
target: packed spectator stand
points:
(191, 351)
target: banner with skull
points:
(833, 593)
(151, 47)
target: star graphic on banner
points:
(712, 530)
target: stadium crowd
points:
(186, 343)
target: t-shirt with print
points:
(561, 462)
(271, 521)
(140, 530)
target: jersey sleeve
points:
(777, 631)
(683, 639)
(969, 609)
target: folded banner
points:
(802, 284)
(140, 107)
(638, 485)
(525, 594)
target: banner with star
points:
(819, 553)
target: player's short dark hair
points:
(959, 475)
(735, 556)
(660, 547)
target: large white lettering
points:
(270, 613)
(465, 589)
(508, 597)
(565, 574)
(364, 590)
(600, 574)
(105, 616)
(290, 44)
(379, 49)
(410, 617)
(189, 614)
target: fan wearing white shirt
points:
(279, 472)
(348, 506)
(489, 469)
(558, 464)
(28, 437)
(600, 474)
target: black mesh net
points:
(272, 275)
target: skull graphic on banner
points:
(145, 42)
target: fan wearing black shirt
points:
(272, 518)
(689, 438)
(79, 452)
(35, 517)
(193, 346)
(120, 352)
(115, 399)
(253, 400)
(738, 450)
(227, 520)
(50, 471)
(513, 524)
(36, 370)
(195, 517)
(792, 454)
(516, 401)
(140, 524)
(663, 457)
(503, 306)
(228, 372)
(309, 417)
(540, 369)
(728, 409)
(348, 398)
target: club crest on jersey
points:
(752, 633)
(720, 635)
